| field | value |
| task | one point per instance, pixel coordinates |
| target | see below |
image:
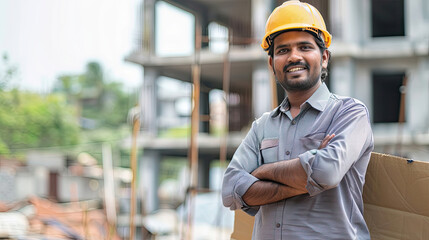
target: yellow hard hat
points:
(295, 15)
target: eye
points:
(282, 50)
(306, 47)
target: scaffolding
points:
(204, 68)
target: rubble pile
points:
(39, 218)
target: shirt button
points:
(287, 152)
(278, 225)
(293, 122)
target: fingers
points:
(326, 140)
(329, 137)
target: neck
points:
(297, 98)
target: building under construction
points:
(380, 55)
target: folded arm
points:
(279, 180)
(353, 140)
(265, 192)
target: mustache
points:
(295, 64)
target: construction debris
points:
(38, 218)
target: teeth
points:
(295, 69)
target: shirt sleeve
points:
(237, 178)
(326, 167)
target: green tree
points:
(99, 100)
(29, 120)
(102, 107)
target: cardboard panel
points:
(396, 197)
(390, 224)
(243, 226)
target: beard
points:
(302, 85)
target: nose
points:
(294, 56)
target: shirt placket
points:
(288, 128)
(278, 221)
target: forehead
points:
(294, 37)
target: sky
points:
(47, 38)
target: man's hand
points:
(326, 140)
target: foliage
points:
(177, 132)
(171, 167)
(4, 150)
(103, 108)
(28, 120)
(83, 112)
(100, 102)
(91, 141)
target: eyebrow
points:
(298, 43)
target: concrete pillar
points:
(347, 23)
(415, 13)
(148, 22)
(149, 167)
(148, 98)
(341, 76)
(261, 90)
(261, 9)
(149, 101)
(417, 110)
(337, 18)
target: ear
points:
(325, 58)
(270, 61)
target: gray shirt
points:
(333, 207)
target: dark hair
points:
(322, 47)
(317, 38)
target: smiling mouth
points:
(295, 69)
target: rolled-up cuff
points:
(307, 160)
(244, 183)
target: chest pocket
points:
(269, 150)
(312, 141)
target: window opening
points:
(386, 95)
(387, 18)
(174, 31)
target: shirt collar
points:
(320, 98)
(283, 107)
(318, 101)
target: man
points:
(301, 168)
